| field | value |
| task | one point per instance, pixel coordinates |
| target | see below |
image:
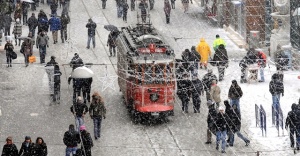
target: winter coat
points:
(26, 148)
(80, 109)
(86, 84)
(91, 28)
(42, 40)
(112, 40)
(55, 24)
(276, 86)
(143, 7)
(65, 20)
(217, 42)
(234, 122)
(57, 75)
(7, 21)
(51, 63)
(76, 62)
(26, 47)
(196, 87)
(97, 108)
(204, 50)
(39, 150)
(281, 61)
(10, 150)
(222, 121)
(71, 138)
(235, 91)
(8, 47)
(167, 8)
(215, 92)
(125, 8)
(87, 140)
(207, 80)
(291, 118)
(18, 14)
(32, 22)
(53, 7)
(250, 58)
(184, 89)
(220, 57)
(25, 7)
(17, 29)
(42, 15)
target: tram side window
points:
(169, 73)
(159, 74)
(139, 74)
(148, 74)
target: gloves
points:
(47, 46)
(282, 94)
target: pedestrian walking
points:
(167, 10)
(112, 43)
(39, 148)
(248, 60)
(187, 58)
(97, 112)
(7, 23)
(26, 50)
(79, 109)
(217, 42)
(43, 24)
(9, 148)
(207, 81)
(204, 50)
(18, 13)
(221, 129)
(211, 121)
(17, 31)
(185, 4)
(32, 24)
(183, 92)
(196, 91)
(290, 123)
(276, 88)
(53, 8)
(55, 25)
(91, 33)
(26, 147)
(25, 7)
(86, 89)
(9, 48)
(215, 93)
(262, 61)
(143, 6)
(234, 123)
(71, 140)
(65, 20)
(125, 11)
(119, 7)
(103, 4)
(132, 5)
(220, 60)
(76, 61)
(42, 44)
(57, 74)
(87, 142)
(173, 4)
(234, 94)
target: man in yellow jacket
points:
(218, 41)
(204, 50)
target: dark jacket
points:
(222, 122)
(51, 63)
(220, 57)
(291, 118)
(39, 149)
(235, 91)
(87, 141)
(7, 21)
(10, 150)
(91, 28)
(167, 8)
(196, 87)
(26, 148)
(32, 22)
(143, 7)
(97, 109)
(184, 89)
(65, 20)
(207, 80)
(276, 86)
(76, 62)
(249, 59)
(25, 7)
(125, 8)
(71, 138)
(195, 56)
(234, 122)
(211, 116)
(80, 109)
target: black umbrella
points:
(111, 28)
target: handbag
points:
(32, 59)
(13, 55)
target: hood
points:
(202, 40)
(294, 106)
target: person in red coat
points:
(167, 9)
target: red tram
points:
(146, 74)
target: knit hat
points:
(82, 127)
(27, 138)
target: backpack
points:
(87, 140)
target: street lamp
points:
(296, 16)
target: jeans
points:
(42, 50)
(79, 122)
(97, 126)
(235, 102)
(221, 135)
(89, 41)
(70, 150)
(32, 31)
(292, 134)
(262, 75)
(276, 106)
(239, 134)
(112, 49)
